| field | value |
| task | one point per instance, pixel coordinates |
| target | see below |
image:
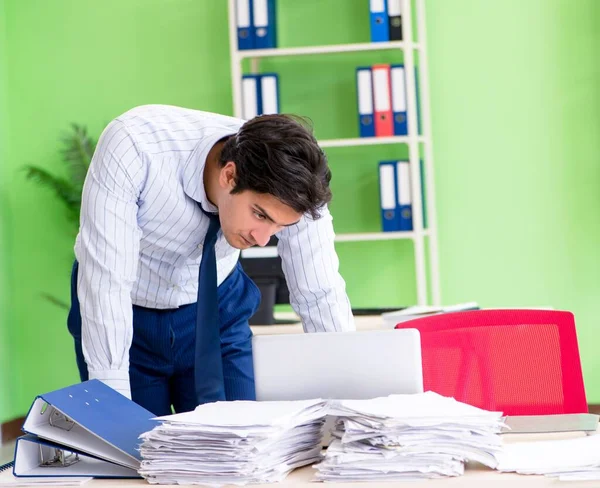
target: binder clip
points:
(56, 458)
(60, 421)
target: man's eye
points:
(259, 216)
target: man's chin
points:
(237, 242)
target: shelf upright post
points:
(434, 266)
(413, 155)
(236, 70)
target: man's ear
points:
(227, 175)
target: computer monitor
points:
(263, 266)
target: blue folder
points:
(264, 24)
(364, 95)
(93, 419)
(35, 457)
(251, 96)
(388, 197)
(243, 18)
(398, 80)
(269, 93)
(404, 196)
(380, 29)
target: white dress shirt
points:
(141, 235)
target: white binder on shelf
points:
(269, 87)
(388, 196)
(251, 96)
(263, 19)
(398, 82)
(404, 210)
(364, 93)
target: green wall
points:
(516, 91)
(5, 338)
(514, 109)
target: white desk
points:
(362, 323)
(476, 476)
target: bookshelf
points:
(419, 145)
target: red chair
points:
(520, 362)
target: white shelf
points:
(378, 236)
(369, 141)
(419, 147)
(333, 48)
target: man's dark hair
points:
(278, 154)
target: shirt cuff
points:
(115, 378)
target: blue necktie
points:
(209, 365)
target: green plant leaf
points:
(77, 152)
(64, 189)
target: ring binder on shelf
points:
(264, 24)
(395, 19)
(380, 30)
(364, 92)
(398, 83)
(245, 30)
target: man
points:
(170, 198)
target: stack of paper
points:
(234, 442)
(406, 437)
(569, 459)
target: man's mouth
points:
(246, 241)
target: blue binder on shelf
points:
(251, 96)
(364, 94)
(398, 80)
(269, 93)
(93, 419)
(380, 30)
(403, 195)
(35, 457)
(388, 196)
(264, 25)
(243, 18)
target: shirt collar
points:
(193, 170)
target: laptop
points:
(337, 365)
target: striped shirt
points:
(141, 235)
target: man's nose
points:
(262, 236)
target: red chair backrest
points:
(520, 362)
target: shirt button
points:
(200, 246)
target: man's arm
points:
(108, 251)
(310, 263)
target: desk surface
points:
(476, 476)
(362, 323)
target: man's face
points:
(250, 218)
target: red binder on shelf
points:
(382, 97)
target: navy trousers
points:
(162, 354)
